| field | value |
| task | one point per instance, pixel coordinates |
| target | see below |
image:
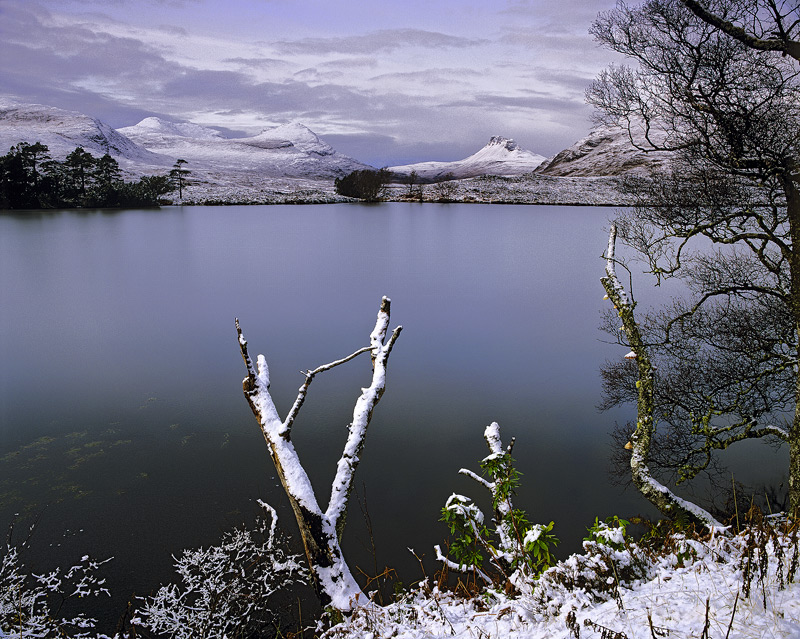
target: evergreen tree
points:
(79, 165)
(178, 176)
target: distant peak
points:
(158, 125)
(499, 140)
(294, 131)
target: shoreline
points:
(249, 189)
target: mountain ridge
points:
(293, 151)
(605, 151)
(290, 150)
(62, 131)
(501, 156)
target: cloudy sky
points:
(387, 82)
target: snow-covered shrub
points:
(609, 562)
(227, 590)
(32, 605)
(429, 612)
(514, 552)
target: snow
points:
(533, 534)
(62, 131)
(290, 150)
(291, 164)
(501, 156)
(672, 595)
(605, 151)
(157, 127)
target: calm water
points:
(121, 408)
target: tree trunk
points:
(793, 215)
(321, 531)
(667, 502)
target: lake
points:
(122, 419)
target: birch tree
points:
(722, 93)
(321, 530)
(667, 502)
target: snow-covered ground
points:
(291, 164)
(694, 590)
(229, 187)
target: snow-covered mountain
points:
(290, 150)
(501, 156)
(62, 131)
(604, 151)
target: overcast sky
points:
(385, 82)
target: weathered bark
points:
(793, 214)
(668, 503)
(321, 531)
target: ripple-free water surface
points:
(122, 415)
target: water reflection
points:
(120, 393)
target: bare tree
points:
(321, 531)
(445, 189)
(764, 25)
(411, 180)
(667, 502)
(730, 113)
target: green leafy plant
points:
(612, 532)
(513, 551)
(465, 521)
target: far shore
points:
(249, 188)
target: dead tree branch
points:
(320, 530)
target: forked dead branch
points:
(321, 531)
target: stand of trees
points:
(31, 179)
(365, 185)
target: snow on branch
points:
(516, 550)
(320, 530)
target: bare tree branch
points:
(779, 42)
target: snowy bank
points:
(228, 187)
(733, 587)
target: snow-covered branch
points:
(321, 531)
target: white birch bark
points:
(667, 502)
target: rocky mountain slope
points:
(500, 157)
(603, 152)
(291, 150)
(290, 163)
(62, 131)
